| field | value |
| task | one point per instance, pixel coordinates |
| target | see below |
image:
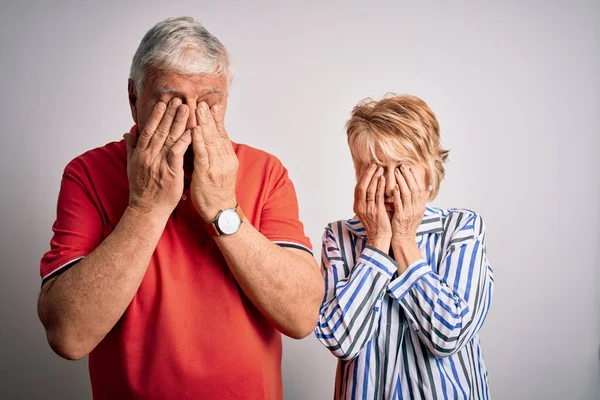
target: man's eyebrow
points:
(176, 92)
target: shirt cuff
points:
(400, 286)
(379, 261)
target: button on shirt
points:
(413, 335)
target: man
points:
(177, 255)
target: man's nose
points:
(191, 122)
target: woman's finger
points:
(371, 193)
(398, 209)
(405, 194)
(363, 184)
(413, 186)
(380, 196)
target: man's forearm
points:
(79, 307)
(284, 284)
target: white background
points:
(515, 86)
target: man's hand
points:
(155, 159)
(410, 201)
(215, 164)
(370, 208)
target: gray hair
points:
(181, 45)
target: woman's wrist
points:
(406, 252)
(381, 243)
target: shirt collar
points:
(431, 223)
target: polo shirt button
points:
(184, 197)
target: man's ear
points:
(133, 99)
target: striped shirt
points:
(413, 335)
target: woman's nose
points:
(390, 182)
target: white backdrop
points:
(516, 88)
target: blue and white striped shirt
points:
(414, 335)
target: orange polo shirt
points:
(190, 332)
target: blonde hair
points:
(395, 125)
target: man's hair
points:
(180, 45)
(397, 125)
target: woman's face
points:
(389, 165)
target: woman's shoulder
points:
(463, 221)
(345, 227)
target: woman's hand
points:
(370, 208)
(410, 201)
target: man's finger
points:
(219, 117)
(178, 127)
(178, 150)
(131, 143)
(200, 153)
(207, 123)
(211, 137)
(148, 131)
(164, 127)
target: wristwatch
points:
(228, 222)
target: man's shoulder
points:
(258, 162)
(252, 154)
(103, 160)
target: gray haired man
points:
(177, 255)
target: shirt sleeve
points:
(351, 307)
(280, 220)
(447, 308)
(77, 230)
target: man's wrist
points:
(148, 220)
(210, 215)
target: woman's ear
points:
(133, 99)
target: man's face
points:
(164, 86)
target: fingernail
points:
(160, 106)
(203, 107)
(175, 101)
(216, 109)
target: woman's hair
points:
(397, 125)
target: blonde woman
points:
(407, 286)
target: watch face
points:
(229, 222)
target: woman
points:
(408, 286)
